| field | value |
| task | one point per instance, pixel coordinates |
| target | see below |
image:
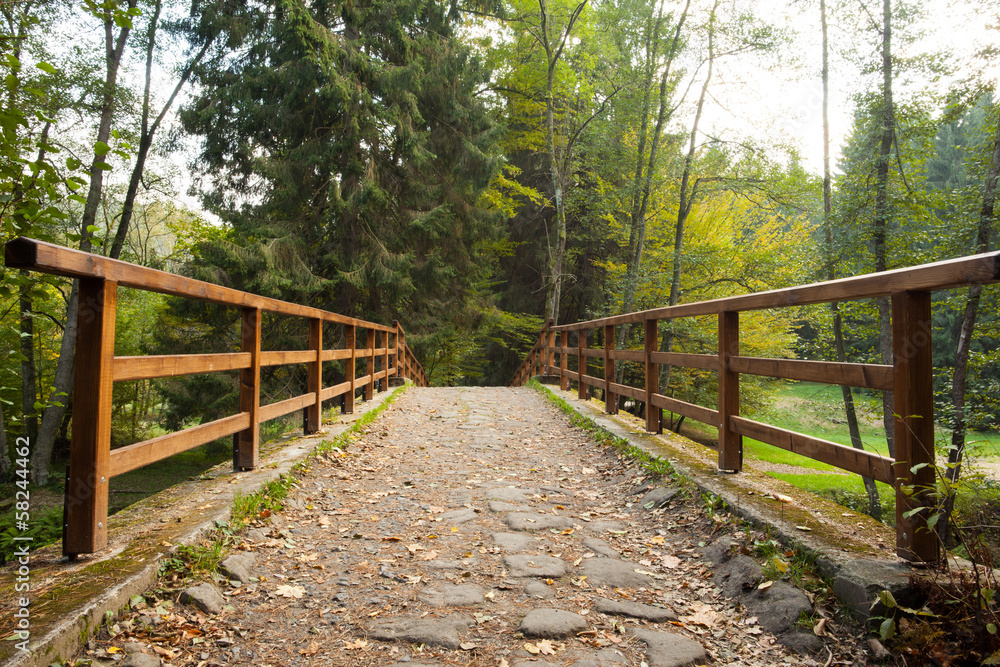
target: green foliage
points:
(44, 528)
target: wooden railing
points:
(910, 378)
(92, 461)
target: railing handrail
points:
(34, 255)
(948, 274)
(910, 377)
(92, 461)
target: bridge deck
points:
(471, 526)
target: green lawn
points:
(818, 410)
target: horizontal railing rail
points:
(92, 461)
(909, 377)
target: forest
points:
(474, 169)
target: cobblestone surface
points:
(475, 527)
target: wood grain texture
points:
(847, 458)
(280, 358)
(651, 376)
(708, 362)
(247, 452)
(282, 408)
(730, 442)
(610, 402)
(90, 441)
(349, 371)
(690, 410)
(869, 376)
(913, 397)
(135, 456)
(158, 366)
(314, 411)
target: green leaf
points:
(101, 148)
(46, 67)
(887, 629)
(991, 628)
(104, 166)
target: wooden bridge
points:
(385, 354)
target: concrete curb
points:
(106, 581)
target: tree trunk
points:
(882, 215)
(553, 52)
(960, 374)
(642, 194)
(685, 204)
(62, 383)
(148, 131)
(874, 503)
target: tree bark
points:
(959, 376)
(882, 215)
(871, 489)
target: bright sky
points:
(779, 102)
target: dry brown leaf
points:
(546, 647)
(356, 644)
(670, 562)
(287, 591)
(531, 648)
(312, 649)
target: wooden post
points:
(402, 368)
(730, 443)
(550, 353)
(581, 365)
(249, 440)
(652, 378)
(314, 412)
(563, 360)
(86, 511)
(370, 364)
(385, 360)
(349, 371)
(610, 400)
(913, 394)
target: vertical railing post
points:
(385, 360)
(550, 352)
(350, 343)
(402, 369)
(652, 377)
(248, 441)
(370, 363)
(581, 365)
(730, 443)
(314, 412)
(913, 397)
(563, 360)
(610, 400)
(86, 514)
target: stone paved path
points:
(477, 527)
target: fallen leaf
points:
(467, 646)
(414, 548)
(531, 648)
(546, 647)
(805, 529)
(820, 628)
(670, 562)
(503, 663)
(356, 644)
(658, 540)
(430, 555)
(780, 564)
(312, 649)
(765, 585)
(287, 591)
(324, 521)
